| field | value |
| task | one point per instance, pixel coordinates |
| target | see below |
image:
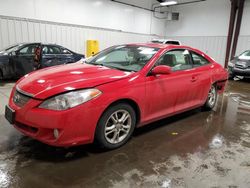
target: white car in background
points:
(166, 41)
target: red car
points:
(107, 96)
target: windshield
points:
(126, 58)
(245, 55)
(11, 48)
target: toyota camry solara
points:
(104, 98)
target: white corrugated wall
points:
(18, 30)
(243, 44)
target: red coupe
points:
(104, 98)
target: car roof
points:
(159, 45)
(29, 43)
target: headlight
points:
(230, 64)
(70, 99)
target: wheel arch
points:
(99, 135)
(220, 85)
(132, 103)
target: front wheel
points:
(1, 75)
(116, 126)
(211, 99)
(231, 76)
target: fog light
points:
(56, 133)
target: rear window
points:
(198, 60)
(245, 55)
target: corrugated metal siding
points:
(18, 30)
(243, 44)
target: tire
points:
(1, 75)
(231, 76)
(113, 132)
(211, 99)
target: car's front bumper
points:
(75, 126)
(239, 71)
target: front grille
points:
(20, 99)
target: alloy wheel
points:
(212, 96)
(118, 126)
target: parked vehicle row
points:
(107, 96)
(19, 59)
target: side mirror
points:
(161, 69)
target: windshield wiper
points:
(118, 68)
(95, 63)
(122, 69)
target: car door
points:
(202, 78)
(49, 57)
(66, 56)
(56, 50)
(168, 94)
(24, 60)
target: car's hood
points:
(243, 62)
(3, 54)
(3, 57)
(51, 81)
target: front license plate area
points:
(10, 114)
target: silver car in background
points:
(240, 65)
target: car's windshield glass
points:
(245, 55)
(126, 58)
(11, 48)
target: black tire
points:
(231, 76)
(1, 75)
(211, 99)
(102, 137)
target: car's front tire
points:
(211, 99)
(231, 76)
(115, 126)
(1, 75)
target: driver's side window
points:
(28, 50)
(176, 59)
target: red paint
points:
(157, 96)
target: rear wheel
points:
(1, 75)
(116, 126)
(211, 99)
